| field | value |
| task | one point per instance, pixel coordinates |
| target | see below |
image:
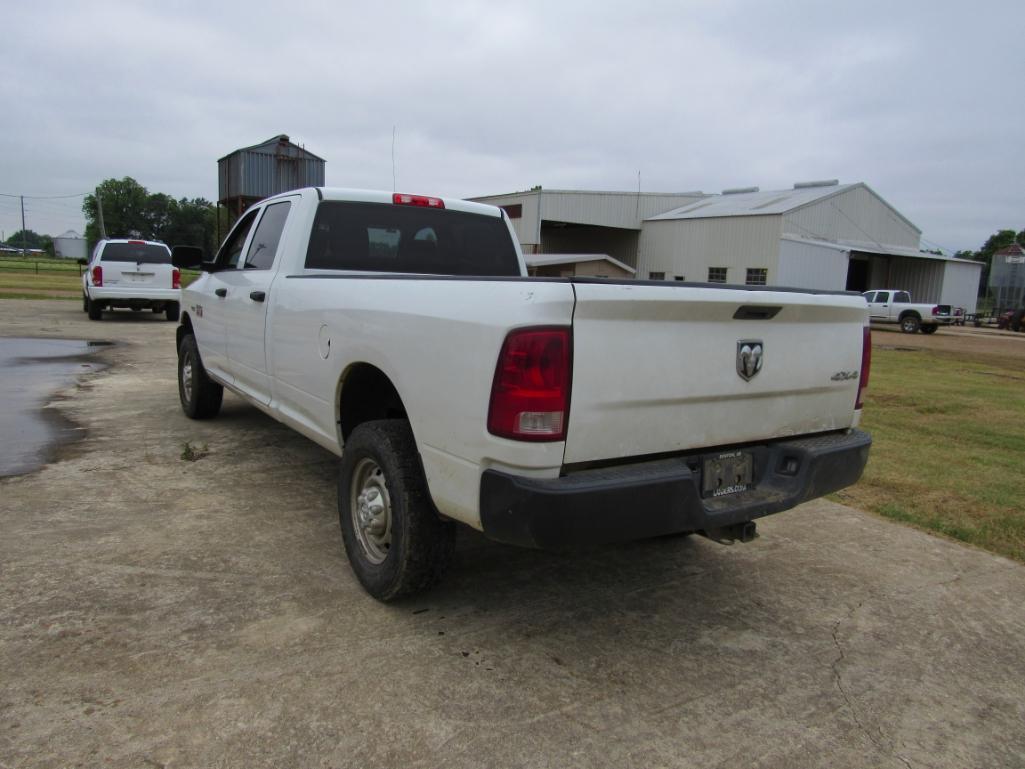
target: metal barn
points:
(251, 174)
(821, 234)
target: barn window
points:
(757, 276)
(656, 276)
(716, 274)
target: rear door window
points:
(379, 237)
(902, 296)
(268, 233)
(137, 253)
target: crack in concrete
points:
(846, 698)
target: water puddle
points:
(31, 371)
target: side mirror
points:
(82, 262)
(187, 257)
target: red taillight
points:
(176, 279)
(866, 364)
(402, 199)
(530, 394)
(98, 276)
(936, 310)
(137, 242)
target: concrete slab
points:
(159, 612)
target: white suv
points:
(131, 273)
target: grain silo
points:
(1007, 278)
(251, 174)
(70, 245)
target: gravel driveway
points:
(157, 612)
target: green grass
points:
(15, 284)
(48, 281)
(948, 450)
(39, 264)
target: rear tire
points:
(930, 329)
(396, 543)
(909, 324)
(95, 310)
(200, 396)
(173, 311)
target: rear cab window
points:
(379, 237)
(136, 253)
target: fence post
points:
(37, 267)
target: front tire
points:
(909, 324)
(396, 543)
(85, 303)
(200, 396)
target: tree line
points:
(31, 240)
(132, 211)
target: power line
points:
(45, 197)
(940, 246)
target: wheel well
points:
(184, 327)
(367, 394)
(910, 313)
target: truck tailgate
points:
(655, 368)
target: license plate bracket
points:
(727, 473)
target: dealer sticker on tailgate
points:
(726, 473)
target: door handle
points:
(257, 296)
(221, 292)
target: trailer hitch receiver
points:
(735, 532)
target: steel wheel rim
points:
(187, 377)
(370, 508)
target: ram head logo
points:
(750, 353)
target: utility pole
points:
(24, 235)
(99, 211)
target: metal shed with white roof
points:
(820, 234)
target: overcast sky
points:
(923, 101)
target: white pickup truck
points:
(890, 305)
(400, 332)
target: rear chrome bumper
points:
(663, 496)
(113, 295)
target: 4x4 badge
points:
(750, 353)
